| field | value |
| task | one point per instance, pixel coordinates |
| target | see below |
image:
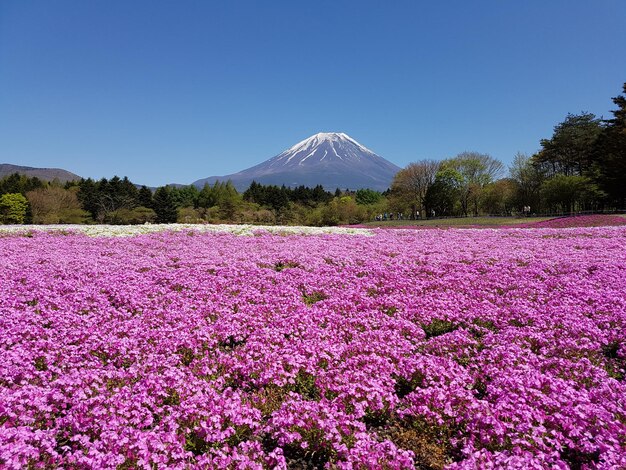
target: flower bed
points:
(132, 230)
(456, 348)
(594, 220)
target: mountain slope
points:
(47, 174)
(334, 160)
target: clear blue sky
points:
(174, 91)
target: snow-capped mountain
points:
(332, 159)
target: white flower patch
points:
(132, 230)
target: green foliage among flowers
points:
(13, 208)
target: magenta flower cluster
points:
(429, 348)
(594, 220)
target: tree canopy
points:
(13, 208)
(610, 154)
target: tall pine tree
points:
(164, 206)
(611, 155)
(144, 197)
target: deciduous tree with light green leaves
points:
(365, 197)
(476, 170)
(528, 179)
(566, 194)
(13, 207)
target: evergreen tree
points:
(610, 153)
(206, 198)
(88, 196)
(12, 184)
(16, 183)
(129, 194)
(253, 193)
(186, 196)
(164, 206)
(319, 195)
(570, 149)
(144, 197)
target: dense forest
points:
(581, 167)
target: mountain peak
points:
(331, 137)
(331, 145)
(332, 159)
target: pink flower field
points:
(406, 349)
(595, 220)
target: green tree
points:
(269, 196)
(13, 208)
(498, 198)
(570, 149)
(185, 196)
(444, 194)
(340, 210)
(144, 197)
(128, 194)
(207, 197)
(88, 196)
(104, 199)
(16, 183)
(56, 205)
(254, 193)
(610, 154)
(319, 195)
(528, 179)
(13, 183)
(117, 193)
(567, 194)
(411, 184)
(366, 197)
(164, 206)
(138, 215)
(476, 170)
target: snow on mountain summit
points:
(332, 159)
(323, 146)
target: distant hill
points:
(331, 159)
(47, 174)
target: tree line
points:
(119, 201)
(581, 167)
